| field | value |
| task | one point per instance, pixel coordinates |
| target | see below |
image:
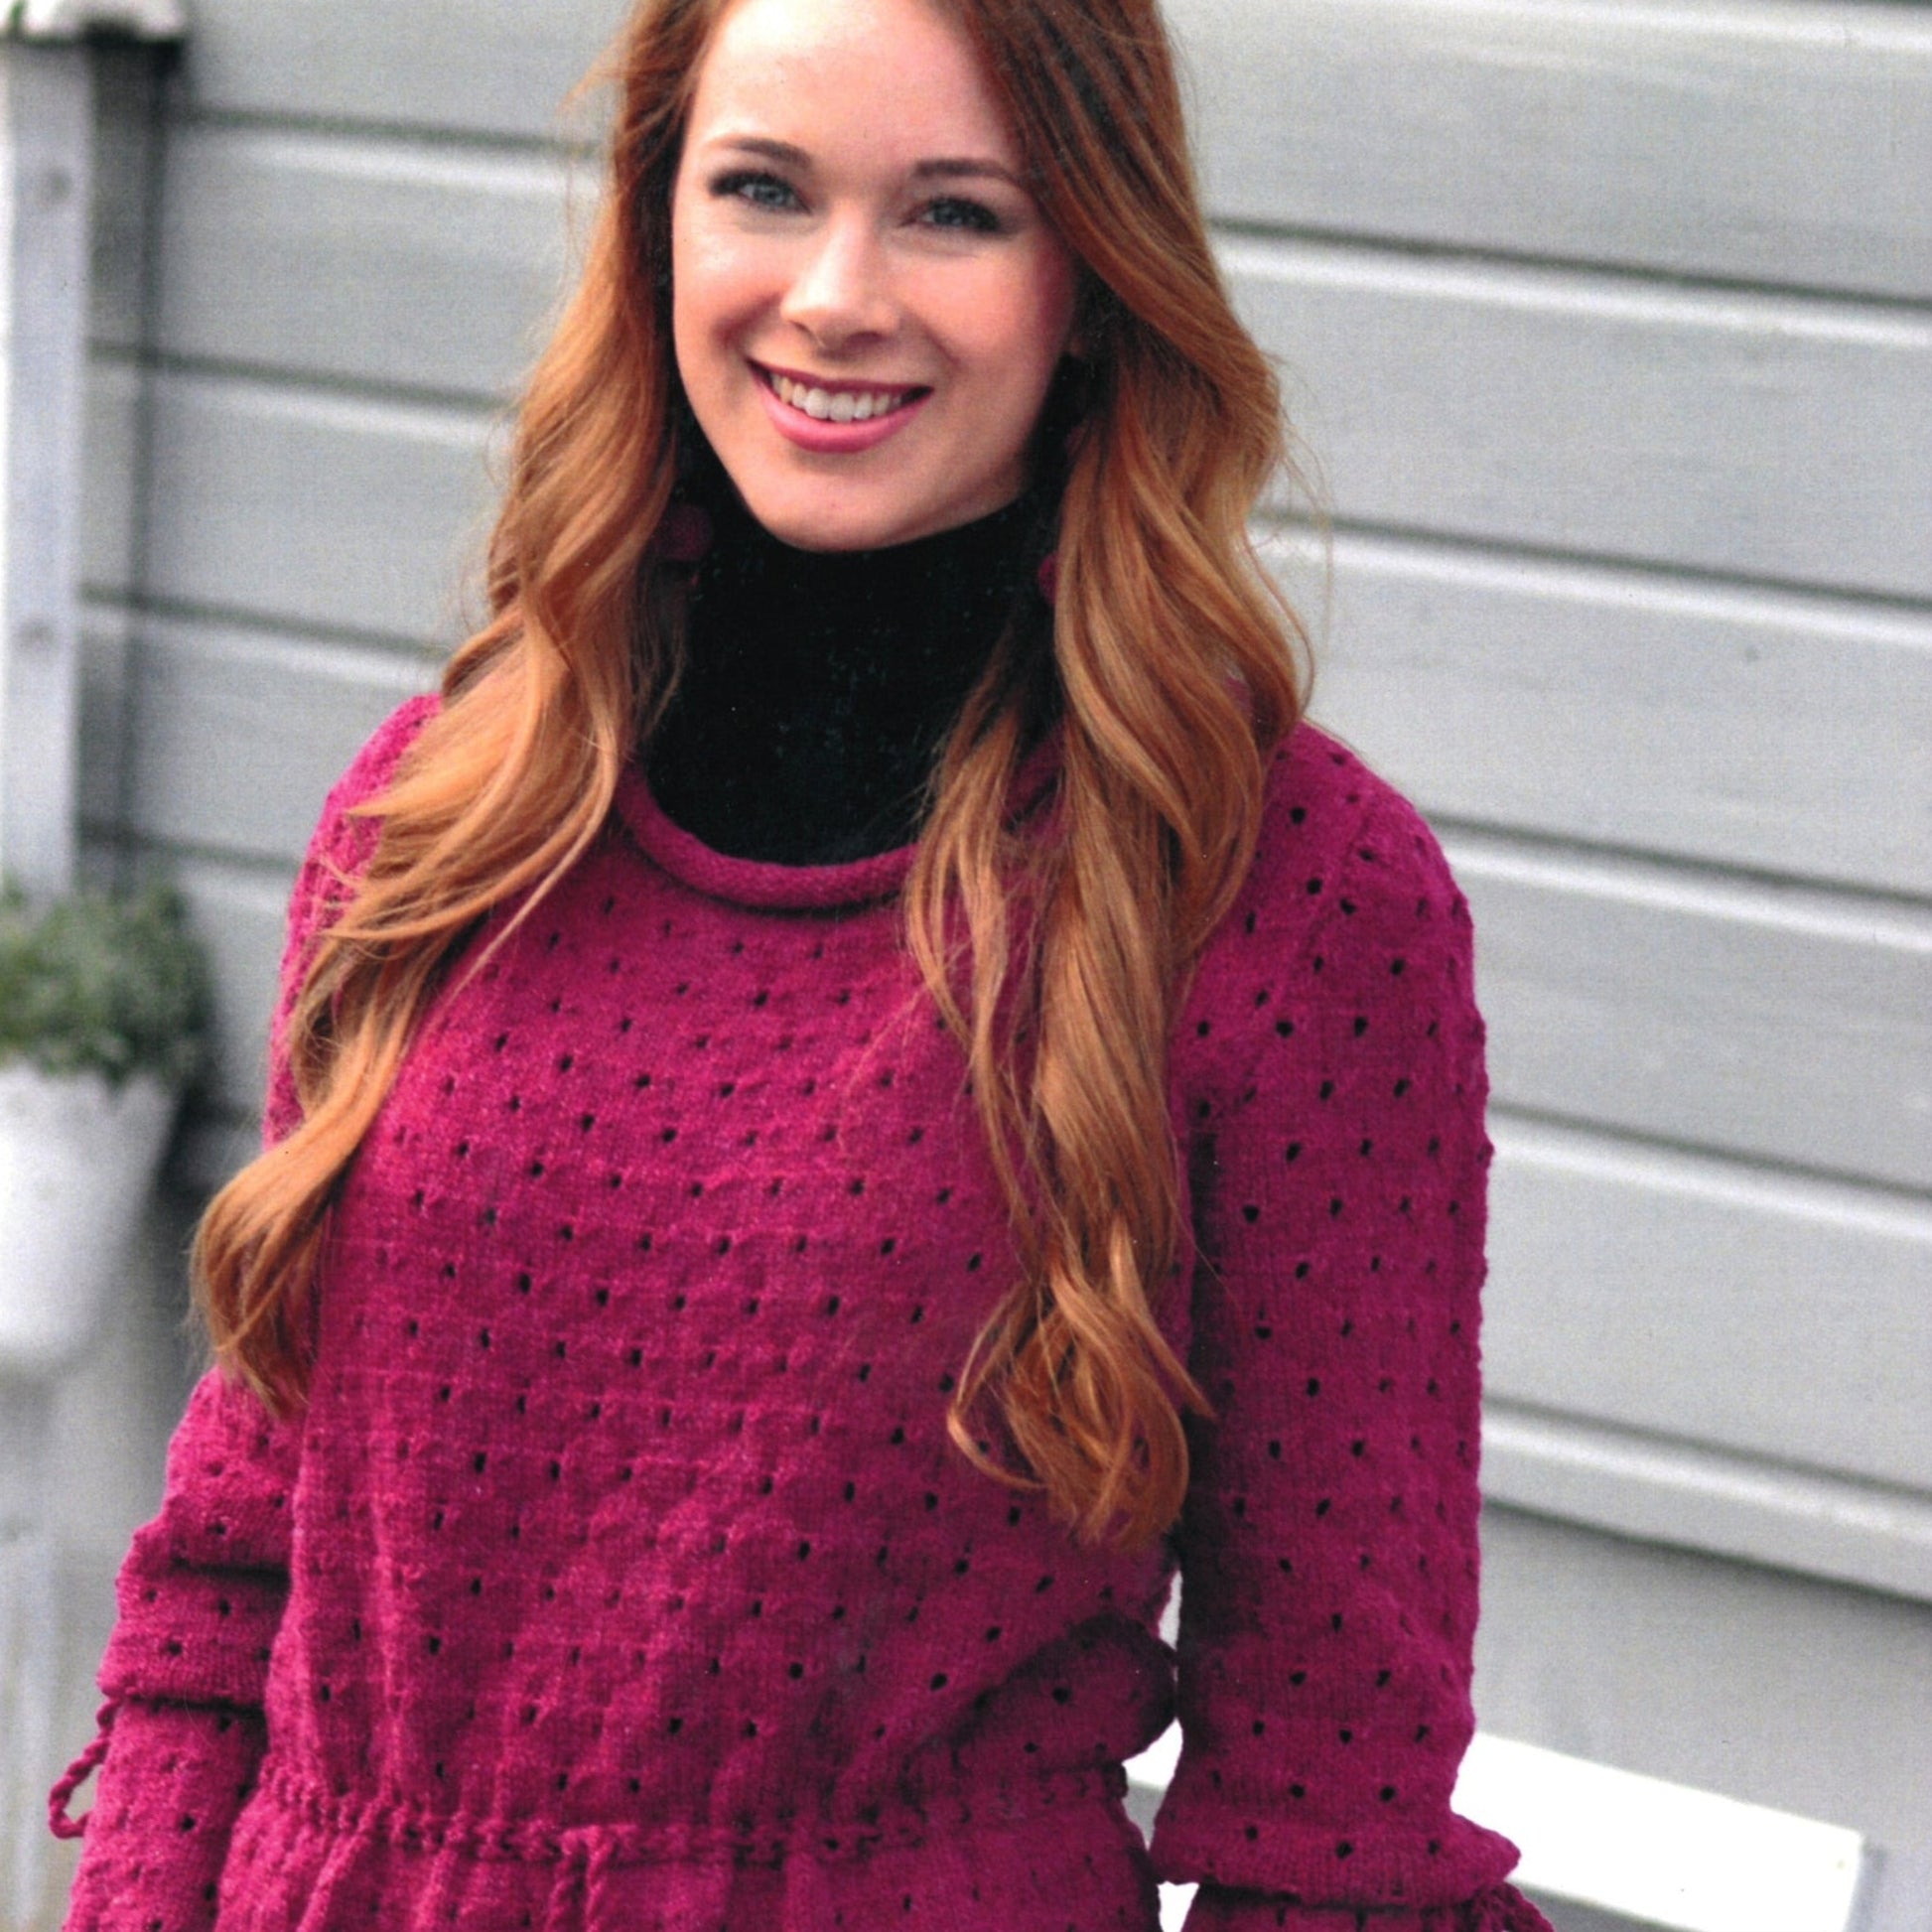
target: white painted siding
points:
(1611, 322)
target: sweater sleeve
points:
(201, 1595)
(1329, 1544)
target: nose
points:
(842, 292)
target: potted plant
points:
(103, 1008)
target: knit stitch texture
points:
(621, 1574)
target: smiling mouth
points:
(838, 405)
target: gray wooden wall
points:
(1610, 325)
(1614, 330)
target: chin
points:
(822, 526)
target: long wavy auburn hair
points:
(1057, 956)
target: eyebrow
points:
(940, 168)
(964, 169)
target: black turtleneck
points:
(819, 685)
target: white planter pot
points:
(76, 1160)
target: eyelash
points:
(739, 187)
(753, 188)
(980, 219)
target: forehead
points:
(899, 74)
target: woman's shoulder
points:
(1349, 922)
(343, 839)
(1347, 890)
(344, 834)
(369, 773)
(1339, 839)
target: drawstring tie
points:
(587, 1853)
(76, 1775)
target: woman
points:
(858, 1013)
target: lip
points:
(833, 439)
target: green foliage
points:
(91, 983)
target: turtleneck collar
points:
(819, 685)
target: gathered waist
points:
(980, 1858)
(902, 1821)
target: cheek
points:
(687, 292)
(1028, 323)
(711, 292)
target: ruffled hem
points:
(1496, 1908)
(1412, 1864)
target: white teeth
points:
(847, 407)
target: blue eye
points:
(956, 212)
(757, 190)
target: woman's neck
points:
(820, 685)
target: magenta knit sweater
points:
(621, 1574)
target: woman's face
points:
(867, 305)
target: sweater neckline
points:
(819, 685)
(765, 884)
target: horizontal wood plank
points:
(240, 736)
(380, 261)
(489, 66)
(1659, 1853)
(1780, 733)
(309, 509)
(1777, 1688)
(221, 738)
(1761, 437)
(1767, 1022)
(1663, 1491)
(1698, 1298)
(1783, 141)
(240, 914)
